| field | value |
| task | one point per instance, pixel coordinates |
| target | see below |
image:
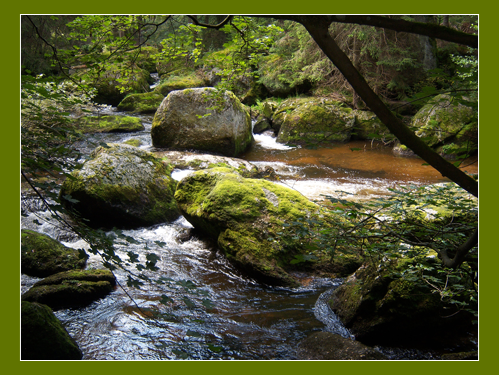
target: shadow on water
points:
(224, 314)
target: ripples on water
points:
(244, 320)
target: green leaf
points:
(165, 299)
(190, 304)
(215, 349)
(180, 354)
(187, 284)
(69, 199)
(208, 303)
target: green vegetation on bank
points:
(422, 89)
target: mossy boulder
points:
(197, 161)
(379, 307)
(313, 120)
(368, 126)
(109, 124)
(446, 125)
(185, 121)
(179, 82)
(248, 217)
(147, 102)
(71, 289)
(172, 67)
(261, 124)
(43, 337)
(122, 186)
(42, 256)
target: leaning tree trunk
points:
(318, 28)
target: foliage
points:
(408, 232)
(48, 156)
(248, 41)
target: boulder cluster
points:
(227, 200)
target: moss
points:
(145, 59)
(43, 256)
(141, 103)
(122, 186)
(368, 126)
(70, 293)
(79, 275)
(109, 124)
(71, 288)
(246, 217)
(133, 142)
(441, 120)
(306, 120)
(188, 121)
(378, 306)
(43, 337)
(179, 83)
(112, 85)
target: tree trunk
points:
(318, 28)
(428, 46)
(355, 61)
(446, 21)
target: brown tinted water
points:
(362, 159)
(361, 167)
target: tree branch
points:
(461, 252)
(217, 27)
(420, 28)
(318, 28)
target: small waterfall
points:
(156, 80)
(324, 314)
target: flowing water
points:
(217, 312)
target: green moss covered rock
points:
(43, 337)
(147, 102)
(186, 120)
(121, 186)
(179, 82)
(247, 217)
(42, 256)
(313, 121)
(109, 124)
(381, 308)
(71, 288)
(368, 126)
(446, 125)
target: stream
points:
(218, 312)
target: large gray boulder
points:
(187, 120)
(122, 186)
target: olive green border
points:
(489, 126)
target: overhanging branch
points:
(319, 32)
(420, 28)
